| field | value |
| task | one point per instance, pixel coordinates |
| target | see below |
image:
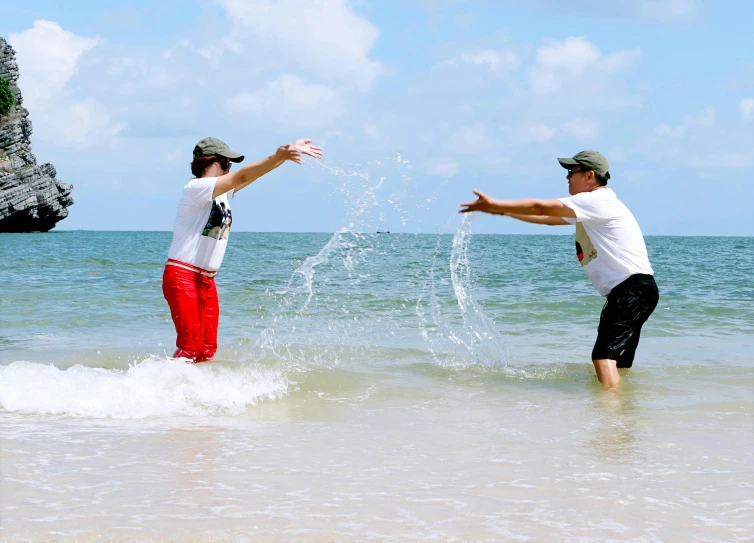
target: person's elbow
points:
(538, 208)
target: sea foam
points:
(154, 387)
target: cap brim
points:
(568, 162)
(232, 156)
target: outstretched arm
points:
(539, 219)
(248, 174)
(548, 208)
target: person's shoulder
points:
(609, 196)
(197, 182)
(584, 197)
(600, 195)
(590, 201)
(198, 191)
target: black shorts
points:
(627, 308)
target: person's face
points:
(579, 180)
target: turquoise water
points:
(390, 387)
(66, 292)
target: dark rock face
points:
(31, 199)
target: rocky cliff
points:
(31, 198)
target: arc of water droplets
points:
(306, 270)
(359, 199)
(479, 337)
(484, 343)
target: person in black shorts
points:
(627, 308)
(610, 248)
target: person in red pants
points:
(200, 236)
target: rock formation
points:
(31, 199)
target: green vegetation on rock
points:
(7, 100)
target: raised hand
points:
(294, 151)
(306, 148)
(483, 203)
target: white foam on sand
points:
(155, 387)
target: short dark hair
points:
(200, 164)
(601, 181)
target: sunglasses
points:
(572, 171)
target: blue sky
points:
(414, 102)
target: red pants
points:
(195, 309)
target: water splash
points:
(306, 270)
(155, 387)
(373, 195)
(322, 318)
(478, 339)
(379, 204)
(484, 341)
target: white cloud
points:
(442, 167)
(696, 141)
(170, 52)
(706, 117)
(746, 107)
(573, 55)
(371, 130)
(737, 160)
(538, 132)
(669, 10)
(673, 132)
(134, 76)
(80, 123)
(47, 55)
(620, 60)
(499, 62)
(175, 155)
(122, 66)
(557, 62)
(214, 52)
(288, 98)
(326, 36)
(583, 129)
(543, 81)
(469, 138)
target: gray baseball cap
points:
(213, 146)
(591, 160)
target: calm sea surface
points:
(373, 387)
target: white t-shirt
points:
(609, 243)
(202, 225)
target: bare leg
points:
(607, 372)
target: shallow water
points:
(372, 387)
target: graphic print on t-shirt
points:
(585, 251)
(218, 224)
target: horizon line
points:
(53, 231)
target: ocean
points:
(372, 387)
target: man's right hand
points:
(483, 203)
